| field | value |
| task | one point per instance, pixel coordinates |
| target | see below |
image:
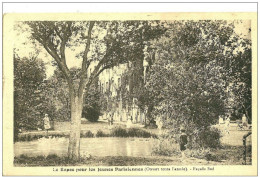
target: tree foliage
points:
(190, 73)
(241, 76)
(57, 96)
(193, 67)
(92, 105)
(29, 74)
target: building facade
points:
(118, 85)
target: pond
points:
(139, 147)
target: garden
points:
(180, 75)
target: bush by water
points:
(132, 132)
(115, 132)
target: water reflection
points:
(95, 146)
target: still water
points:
(141, 147)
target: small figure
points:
(183, 142)
(46, 122)
(136, 118)
(129, 122)
(244, 121)
(227, 122)
(220, 120)
(110, 119)
(159, 124)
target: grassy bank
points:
(115, 132)
(228, 155)
(225, 154)
(231, 155)
(53, 160)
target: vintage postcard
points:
(130, 94)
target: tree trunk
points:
(74, 139)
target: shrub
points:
(91, 114)
(87, 134)
(200, 153)
(116, 132)
(50, 160)
(22, 138)
(151, 126)
(40, 157)
(31, 137)
(210, 138)
(136, 132)
(23, 156)
(92, 107)
(206, 153)
(133, 132)
(165, 147)
(28, 137)
(100, 133)
(119, 132)
(52, 156)
(154, 136)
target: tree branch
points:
(97, 69)
(85, 62)
(87, 82)
(42, 32)
(58, 33)
(101, 70)
(64, 40)
(93, 78)
(63, 67)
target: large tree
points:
(100, 45)
(240, 75)
(29, 74)
(190, 74)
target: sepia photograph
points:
(127, 95)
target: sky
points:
(25, 48)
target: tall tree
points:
(29, 74)
(191, 72)
(241, 77)
(105, 44)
